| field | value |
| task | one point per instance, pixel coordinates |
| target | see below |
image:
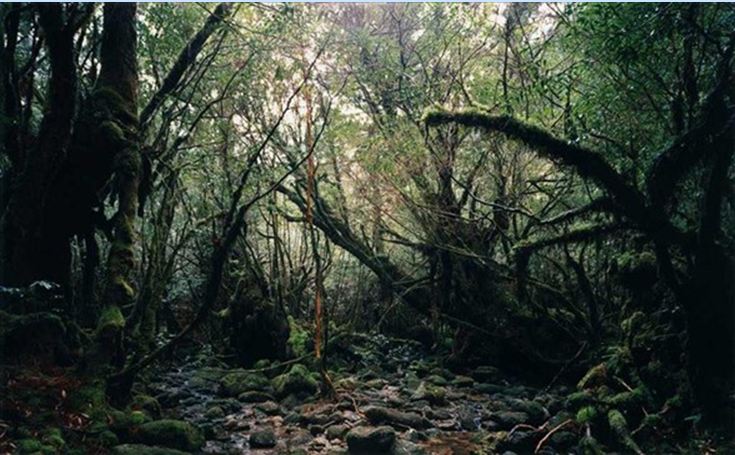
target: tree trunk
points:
(32, 255)
(117, 96)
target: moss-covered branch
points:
(588, 163)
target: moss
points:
(29, 446)
(589, 446)
(111, 320)
(587, 414)
(53, 437)
(175, 434)
(139, 449)
(90, 399)
(577, 399)
(595, 377)
(619, 426)
(125, 424)
(297, 380)
(298, 338)
(147, 404)
(236, 383)
(107, 439)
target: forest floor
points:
(391, 388)
(392, 396)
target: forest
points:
(411, 229)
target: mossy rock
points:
(234, 384)
(140, 449)
(107, 438)
(34, 446)
(125, 424)
(298, 380)
(175, 434)
(89, 399)
(147, 404)
(54, 438)
(435, 395)
(371, 440)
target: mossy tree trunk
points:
(117, 98)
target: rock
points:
(402, 447)
(521, 441)
(234, 384)
(508, 419)
(254, 396)
(336, 431)
(489, 389)
(463, 381)
(486, 373)
(269, 407)
(536, 412)
(563, 440)
(140, 449)
(107, 439)
(215, 412)
(296, 381)
(379, 414)
(433, 394)
(147, 404)
(175, 434)
(262, 439)
(436, 380)
(370, 440)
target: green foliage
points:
(298, 338)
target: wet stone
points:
(262, 439)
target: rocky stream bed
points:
(392, 397)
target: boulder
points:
(235, 383)
(140, 449)
(296, 381)
(379, 415)
(262, 439)
(371, 440)
(175, 434)
(254, 396)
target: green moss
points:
(175, 434)
(587, 414)
(577, 399)
(619, 426)
(298, 338)
(595, 377)
(111, 319)
(147, 404)
(297, 380)
(107, 439)
(89, 399)
(53, 437)
(235, 383)
(29, 446)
